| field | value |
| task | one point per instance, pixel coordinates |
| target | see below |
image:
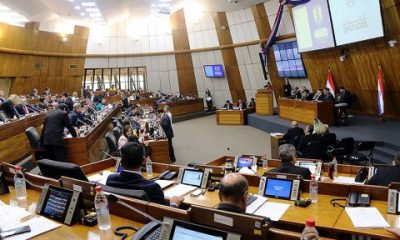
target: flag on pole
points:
(381, 92)
(330, 83)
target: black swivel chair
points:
(112, 143)
(34, 140)
(328, 142)
(313, 150)
(117, 133)
(362, 153)
(346, 146)
(55, 169)
(137, 194)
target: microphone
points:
(115, 199)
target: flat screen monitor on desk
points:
(280, 186)
(313, 166)
(245, 162)
(193, 177)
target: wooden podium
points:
(264, 102)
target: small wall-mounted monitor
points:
(214, 71)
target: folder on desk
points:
(179, 190)
(366, 217)
(164, 183)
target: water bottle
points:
(309, 232)
(228, 168)
(149, 167)
(334, 162)
(19, 183)
(313, 189)
(102, 213)
(264, 162)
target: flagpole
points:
(381, 110)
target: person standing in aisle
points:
(166, 124)
(209, 100)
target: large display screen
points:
(214, 71)
(288, 60)
(313, 26)
(356, 20)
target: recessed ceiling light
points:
(77, 7)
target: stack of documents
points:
(366, 217)
(164, 183)
(262, 207)
(179, 190)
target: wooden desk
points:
(14, 144)
(231, 117)
(185, 107)
(274, 147)
(148, 101)
(264, 102)
(82, 150)
(159, 150)
(76, 231)
(115, 99)
(306, 111)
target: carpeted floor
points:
(202, 140)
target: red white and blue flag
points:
(381, 93)
(330, 83)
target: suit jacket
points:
(291, 169)
(385, 175)
(304, 140)
(9, 109)
(244, 105)
(69, 103)
(328, 98)
(292, 133)
(229, 208)
(318, 97)
(226, 106)
(167, 126)
(135, 181)
(309, 97)
(74, 117)
(287, 89)
(21, 110)
(53, 128)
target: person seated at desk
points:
(132, 158)
(233, 193)
(306, 95)
(127, 132)
(228, 105)
(67, 101)
(22, 108)
(101, 105)
(386, 175)
(35, 93)
(252, 104)
(287, 154)
(9, 109)
(241, 104)
(76, 116)
(320, 128)
(309, 137)
(328, 97)
(318, 96)
(293, 133)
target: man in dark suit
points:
(23, 109)
(309, 137)
(233, 193)
(241, 104)
(385, 175)
(293, 133)
(318, 96)
(328, 97)
(166, 124)
(131, 176)
(287, 154)
(76, 117)
(67, 101)
(53, 133)
(228, 105)
(9, 109)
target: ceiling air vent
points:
(71, 66)
(38, 65)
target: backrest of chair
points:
(33, 137)
(136, 194)
(117, 132)
(111, 142)
(329, 139)
(55, 169)
(87, 189)
(347, 144)
(313, 150)
(159, 211)
(248, 226)
(366, 146)
(37, 182)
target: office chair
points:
(362, 153)
(34, 140)
(347, 146)
(55, 169)
(112, 143)
(313, 150)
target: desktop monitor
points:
(244, 162)
(192, 177)
(278, 188)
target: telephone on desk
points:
(168, 175)
(359, 199)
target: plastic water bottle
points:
(102, 212)
(335, 170)
(149, 167)
(313, 189)
(19, 183)
(228, 168)
(310, 232)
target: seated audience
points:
(127, 132)
(101, 105)
(35, 93)
(67, 101)
(287, 154)
(8, 107)
(328, 97)
(386, 175)
(306, 95)
(309, 137)
(228, 105)
(132, 158)
(320, 128)
(233, 193)
(293, 133)
(76, 116)
(318, 96)
(241, 104)
(252, 103)
(22, 108)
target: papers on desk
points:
(346, 180)
(276, 134)
(164, 183)
(272, 210)
(38, 226)
(11, 215)
(100, 178)
(366, 217)
(179, 190)
(256, 204)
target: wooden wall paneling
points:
(229, 57)
(184, 62)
